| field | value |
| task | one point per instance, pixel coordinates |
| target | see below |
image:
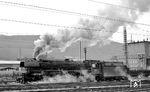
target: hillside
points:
(12, 47)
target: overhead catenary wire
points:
(61, 12)
(61, 26)
(43, 24)
(95, 1)
(71, 12)
(17, 40)
(10, 47)
(14, 33)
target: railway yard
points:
(113, 86)
(75, 46)
(40, 74)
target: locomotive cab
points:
(107, 71)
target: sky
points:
(52, 17)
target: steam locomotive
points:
(101, 70)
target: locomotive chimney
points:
(125, 46)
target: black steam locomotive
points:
(101, 70)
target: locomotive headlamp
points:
(93, 65)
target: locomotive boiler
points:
(101, 70)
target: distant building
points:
(12, 64)
(139, 54)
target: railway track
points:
(75, 87)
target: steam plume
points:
(141, 6)
(123, 73)
(95, 31)
(66, 77)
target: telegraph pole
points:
(80, 50)
(85, 51)
(125, 46)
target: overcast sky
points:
(28, 14)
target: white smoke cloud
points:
(139, 12)
(67, 78)
(94, 30)
(123, 73)
(64, 38)
(140, 5)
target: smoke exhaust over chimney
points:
(94, 30)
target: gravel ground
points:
(74, 87)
